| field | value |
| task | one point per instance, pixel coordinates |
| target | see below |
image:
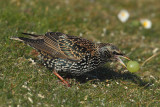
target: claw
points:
(65, 82)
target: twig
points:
(148, 59)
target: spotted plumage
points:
(70, 54)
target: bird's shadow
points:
(104, 73)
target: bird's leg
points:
(65, 82)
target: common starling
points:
(70, 54)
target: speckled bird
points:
(70, 54)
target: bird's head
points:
(109, 52)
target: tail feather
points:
(32, 38)
(35, 43)
(16, 38)
(30, 34)
(28, 40)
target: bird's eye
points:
(115, 53)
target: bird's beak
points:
(121, 62)
(125, 57)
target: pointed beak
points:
(121, 62)
(125, 57)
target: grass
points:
(25, 84)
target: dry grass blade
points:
(148, 59)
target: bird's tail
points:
(23, 39)
(31, 35)
(16, 38)
(35, 41)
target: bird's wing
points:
(74, 47)
(60, 45)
